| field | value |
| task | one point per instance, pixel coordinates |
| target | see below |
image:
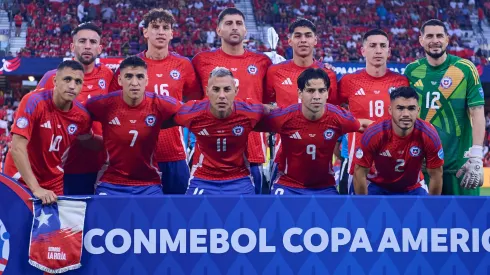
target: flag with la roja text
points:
(57, 235)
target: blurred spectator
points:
(18, 24)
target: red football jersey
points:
(368, 97)
(221, 143)
(282, 84)
(80, 160)
(250, 70)
(173, 76)
(130, 136)
(398, 160)
(53, 132)
(306, 160)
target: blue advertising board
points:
(264, 234)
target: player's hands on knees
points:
(46, 196)
(472, 172)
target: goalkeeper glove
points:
(472, 169)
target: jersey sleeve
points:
(274, 121)
(408, 72)
(114, 85)
(348, 123)
(192, 86)
(335, 96)
(269, 91)
(187, 112)
(474, 91)
(266, 97)
(168, 106)
(47, 82)
(96, 107)
(333, 82)
(364, 155)
(26, 117)
(434, 153)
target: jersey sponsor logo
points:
(295, 136)
(414, 151)
(159, 75)
(72, 128)
(433, 83)
(377, 92)
(115, 121)
(440, 154)
(4, 246)
(22, 122)
(287, 81)
(359, 153)
(446, 82)
(102, 83)
(312, 135)
(480, 90)
(46, 124)
(238, 130)
(90, 87)
(252, 70)
(150, 120)
(360, 92)
(133, 121)
(234, 69)
(328, 134)
(391, 89)
(203, 132)
(175, 75)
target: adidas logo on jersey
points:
(385, 153)
(287, 81)
(419, 84)
(360, 92)
(115, 121)
(203, 133)
(46, 124)
(295, 136)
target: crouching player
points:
(397, 147)
(309, 131)
(221, 124)
(131, 120)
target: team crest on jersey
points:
(252, 70)
(328, 134)
(150, 120)
(414, 151)
(446, 82)
(359, 153)
(22, 122)
(237, 130)
(391, 89)
(102, 83)
(72, 128)
(440, 154)
(175, 75)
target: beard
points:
(86, 61)
(436, 55)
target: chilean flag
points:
(57, 235)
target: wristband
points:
(476, 151)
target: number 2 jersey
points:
(307, 146)
(368, 97)
(50, 133)
(130, 136)
(398, 160)
(445, 94)
(249, 70)
(221, 143)
(172, 76)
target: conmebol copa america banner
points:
(263, 235)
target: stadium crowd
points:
(340, 25)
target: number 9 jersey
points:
(368, 97)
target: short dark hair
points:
(405, 92)
(155, 15)
(433, 22)
(87, 26)
(72, 64)
(302, 22)
(374, 32)
(132, 61)
(312, 73)
(229, 11)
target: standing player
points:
(81, 165)
(367, 92)
(281, 85)
(397, 147)
(221, 124)
(249, 68)
(46, 124)
(449, 88)
(169, 74)
(131, 121)
(309, 131)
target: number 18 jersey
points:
(368, 97)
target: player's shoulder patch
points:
(340, 111)
(36, 98)
(22, 122)
(374, 130)
(359, 153)
(440, 154)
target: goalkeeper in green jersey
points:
(451, 98)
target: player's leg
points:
(257, 172)
(344, 177)
(450, 186)
(199, 186)
(79, 184)
(242, 186)
(175, 176)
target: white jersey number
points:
(431, 104)
(161, 89)
(55, 143)
(311, 150)
(399, 166)
(376, 108)
(135, 136)
(221, 147)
